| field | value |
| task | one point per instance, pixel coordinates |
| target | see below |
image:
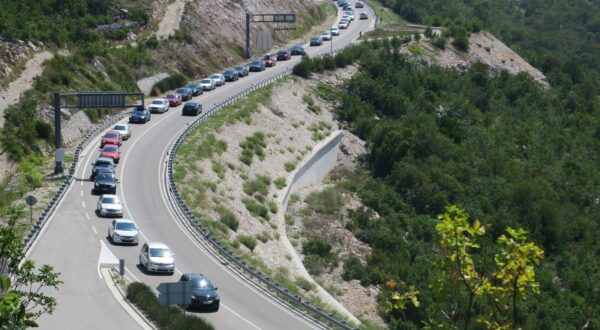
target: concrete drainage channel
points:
(219, 250)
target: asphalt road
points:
(71, 241)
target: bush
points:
(303, 68)
(228, 218)
(256, 209)
(303, 283)
(280, 182)
(172, 82)
(316, 246)
(247, 241)
(259, 185)
(165, 317)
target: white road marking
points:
(241, 317)
(95, 231)
(83, 204)
(87, 215)
(81, 192)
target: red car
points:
(174, 99)
(111, 137)
(111, 151)
(270, 60)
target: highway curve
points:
(71, 241)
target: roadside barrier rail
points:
(292, 300)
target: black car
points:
(191, 108)
(196, 89)
(102, 164)
(297, 50)
(242, 70)
(257, 65)
(204, 293)
(185, 93)
(106, 182)
(139, 115)
(231, 75)
(284, 55)
(316, 41)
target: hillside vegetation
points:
(510, 153)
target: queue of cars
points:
(157, 256)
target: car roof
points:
(196, 276)
(192, 103)
(157, 245)
(121, 124)
(124, 221)
(215, 74)
(106, 159)
(109, 196)
(112, 131)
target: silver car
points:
(208, 84)
(159, 105)
(109, 206)
(326, 36)
(123, 231)
(218, 78)
(157, 257)
(124, 130)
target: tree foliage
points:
(25, 299)
(511, 153)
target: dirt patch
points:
(12, 94)
(171, 19)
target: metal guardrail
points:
(47, 213)
(292, 299)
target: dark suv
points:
(191, 108)
(284, 55)
(102, 164)
(106, 182)
(204, 293)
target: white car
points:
(159, 105)
(343, 24)
(123, 231)
(124, 130)
(218, 78)
(109, 206)
(208, 84)
(346, 18)
(157, 257)
(326, 36)
(335, 31)
(350, 14)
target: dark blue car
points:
(139, 115)
(186, 93)
(204, 293)
(297, 50)
(257, 65)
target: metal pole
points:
(247, 35)
(31, 215)
(58, 169)
(331, 43)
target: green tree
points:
(459, 239)
(25, 300)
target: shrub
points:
(263, 237)
(228, 218)
(290, 166)
(273, 207)
(303, 68)
(173, 81)
(280, 182)
(165, 317)
(316, 246)
(253, 145)
(247, 241)
(303, 283)
(327, 201)
(259, 185)
(256, 209)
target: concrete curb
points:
(119, 296)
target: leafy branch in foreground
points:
(25, 300)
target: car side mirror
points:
(93, 163)
(216, 288)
